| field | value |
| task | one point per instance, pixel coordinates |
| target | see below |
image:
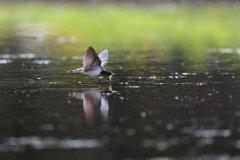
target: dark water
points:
(159, 106)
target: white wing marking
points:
(103, 56)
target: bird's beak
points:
(110, 77)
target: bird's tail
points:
(79, 70)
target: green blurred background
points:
(174, 27)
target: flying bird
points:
(93, 64)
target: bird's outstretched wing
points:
(103, 56)
(91, 60)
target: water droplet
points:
(130, 132)
(169, 126)
(143, 114)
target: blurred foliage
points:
(181, 29)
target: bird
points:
(93, 64)
(95, 103)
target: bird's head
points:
(107, 74)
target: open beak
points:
(110, 77)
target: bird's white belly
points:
(95, 72)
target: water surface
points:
(158, 105)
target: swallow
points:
(94, 103)
(93, 64)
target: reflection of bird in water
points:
(93, 64)
(94, 103)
